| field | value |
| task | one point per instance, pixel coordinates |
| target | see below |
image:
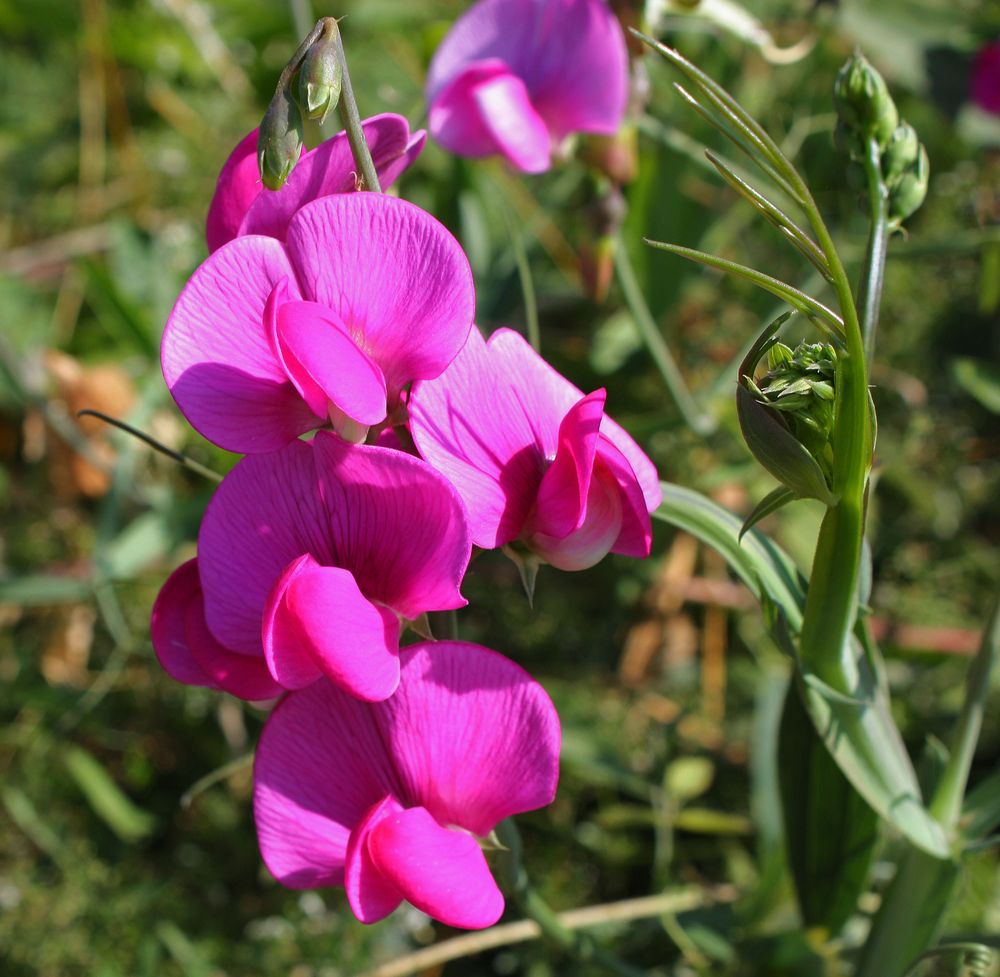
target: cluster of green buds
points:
(309, 87)
(867, 114)
(787, 414)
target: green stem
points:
(527, 283)
(946, 804)
(699, 422)
(349, 116)
(870, 289)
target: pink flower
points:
(241, 206)
(986, 78)
(311, 561)
(270, 339)
(532, 458)
(515, 77)
(387, 799)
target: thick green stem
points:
(348, 109)
(873, 270)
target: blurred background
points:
(116, 858)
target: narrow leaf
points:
(107, 799)
(40, 590)
(981, 810)
(771, 502)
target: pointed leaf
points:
(771, 502)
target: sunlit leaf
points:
(106, 798)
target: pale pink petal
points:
(330, 168)
(636, 534)
(321, 764)
(217, 356)
(237, 188)
(326, 365)
(592, 541)
(371, 895)
(561, 503)
(442, 872)
(474, 738)
(392, 274)
(321, 618)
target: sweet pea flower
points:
(388, 799)
(310, 562)
(985, 83)
(534, 460)
(271, 339)
(515, 77)
(241, 205)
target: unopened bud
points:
(909, 192)
(279, 143)
(863, 101)
(320, 76)
(901, 154)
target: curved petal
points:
(442, 872)
(188, 651)
(392, 274)
(318, 622)
(473, 737)
(321, 764)
(371, 895)
(237, 188)
(217, 356)
(562, 496)
(330, 168)
(636, 536)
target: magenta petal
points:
(237, 188)
(562, 496)
(442, 872)
(321, 764)
(286, 647)
(393, 275)
(217, 356)
(474, 738)
(326, 365)
(636, 534)
(371, 895)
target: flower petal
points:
(371, 895)
(237, 188)
(562, 496)
(636, 534)
(474, 738)
(392, 274)
(317, 618)
(330, 168)
(442, 872)
(217, 356)
(321, 764)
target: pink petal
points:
(319, 619)
(592, 541)
(237, 188)
(562, 496)
(474, 738)
(330, 168)
(442, 872)
(321, 764)
(392, 274)
(486, 110)
(371, 895)
(325, 364)
(985, 81)
(217, 356)
(636, 534)
(188, 651)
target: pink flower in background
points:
(515, 77)
(242, 206)
(387, 799)
(532, 458)
(270, 339)
(985, 83)
(311, 560)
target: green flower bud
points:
(909, 192)
(901, 154)
(863, 101)
(279, 142)
(320, 77)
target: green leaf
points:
(688, 777)
(41, 590)
(25, 815)
(831, 832)
(981, 809)
(106, 798)
(979, 379)
(771, 502)
(706, 821)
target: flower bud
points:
(320, 77)
(863, 101)
(908, 194)
(901, 154)
(279, 142)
